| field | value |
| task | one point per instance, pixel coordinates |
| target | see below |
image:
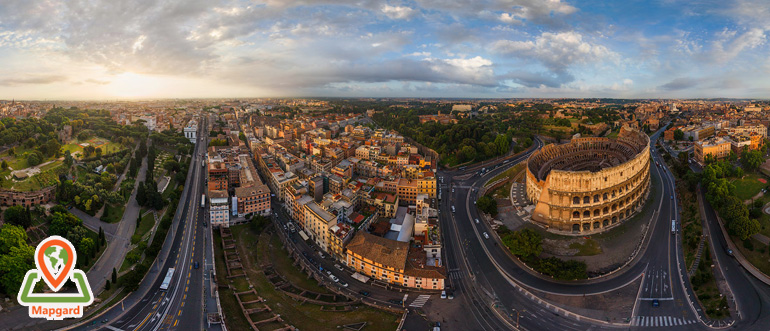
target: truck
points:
(203, 201)
(167, 280)
(673, 226)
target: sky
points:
(133, 49)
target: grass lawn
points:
(588, 248)
(508, 173)
(253, 250)
(113, 213)
(144, 226)
(74, 146)
(503, 192)
(748, 186)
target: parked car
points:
(339, 267)
(321, 254)
(450, 295)
(364, 293)
(343, 283)
(329, 272)
(486, 235)
(334, 278)
(443, 294)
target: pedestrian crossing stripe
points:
(659, 321)
(420, 301)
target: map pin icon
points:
(55, 258)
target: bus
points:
(673, 226)
(203, 201)
(167, 280)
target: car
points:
(672, 197)
(364, 293)
(453, 190)
(339, 267)
(294, 240)
(329, 272)
(396, 301)
(443, 294)
(486, 235)
(450, 295)
(453, 209)
(655, 303)
(334, 278)
(304, 253)
(343, 283)
(477, 221)
(730, 252)
(195, 265)
(321, 254)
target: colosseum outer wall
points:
(589, 202)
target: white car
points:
(443, 294)
(334, 278)
(339, 267)
(477, 221)
(486, 235)
(343, 283)
(321, 254)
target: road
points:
(185, 303)
(475, 262)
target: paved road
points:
(660, 267)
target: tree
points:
(11, 236)
(487, 204)
(114, 275)
(34, 158)
(752, 160)
(98, 151)
(524, 243)
(18, 215)
(4, 165)
(61, 223)
(13, 266)
(242, 137)
(107, 285)
(101, 236)
(86, 246)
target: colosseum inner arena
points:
(589, 184)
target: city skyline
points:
(424, 48)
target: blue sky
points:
(89, 49)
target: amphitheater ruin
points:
(589, 184)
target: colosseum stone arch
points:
(589, 184)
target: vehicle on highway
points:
(195, 265)
(443, 294)
(477, 221)
(203, 201)
(673, 226)
(506, 161)
(334, 278)
(364, 293)
(730, 252)
(396, 301)
(453, 190)
(339, 267)
(486, 235)
(321, 254)
(672, 197)
(453, 209)
(655, 303)
(167, 280)
(343, 283)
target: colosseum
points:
(589, 184)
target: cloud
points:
(33, 80)
(729, 43)
(556, 51)
(398, 12)
(680, 83)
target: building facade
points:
(589, 184)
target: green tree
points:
(34, 158)
(114, 275)
(87, 246)
(11, 236)
(13, 266)
(487, 204)
(4, 165)
(752, 160)
(17, 215)
(524, 243)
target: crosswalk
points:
(659, 321)
(420, 301)
(456, 274)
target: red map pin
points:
(55, 258)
